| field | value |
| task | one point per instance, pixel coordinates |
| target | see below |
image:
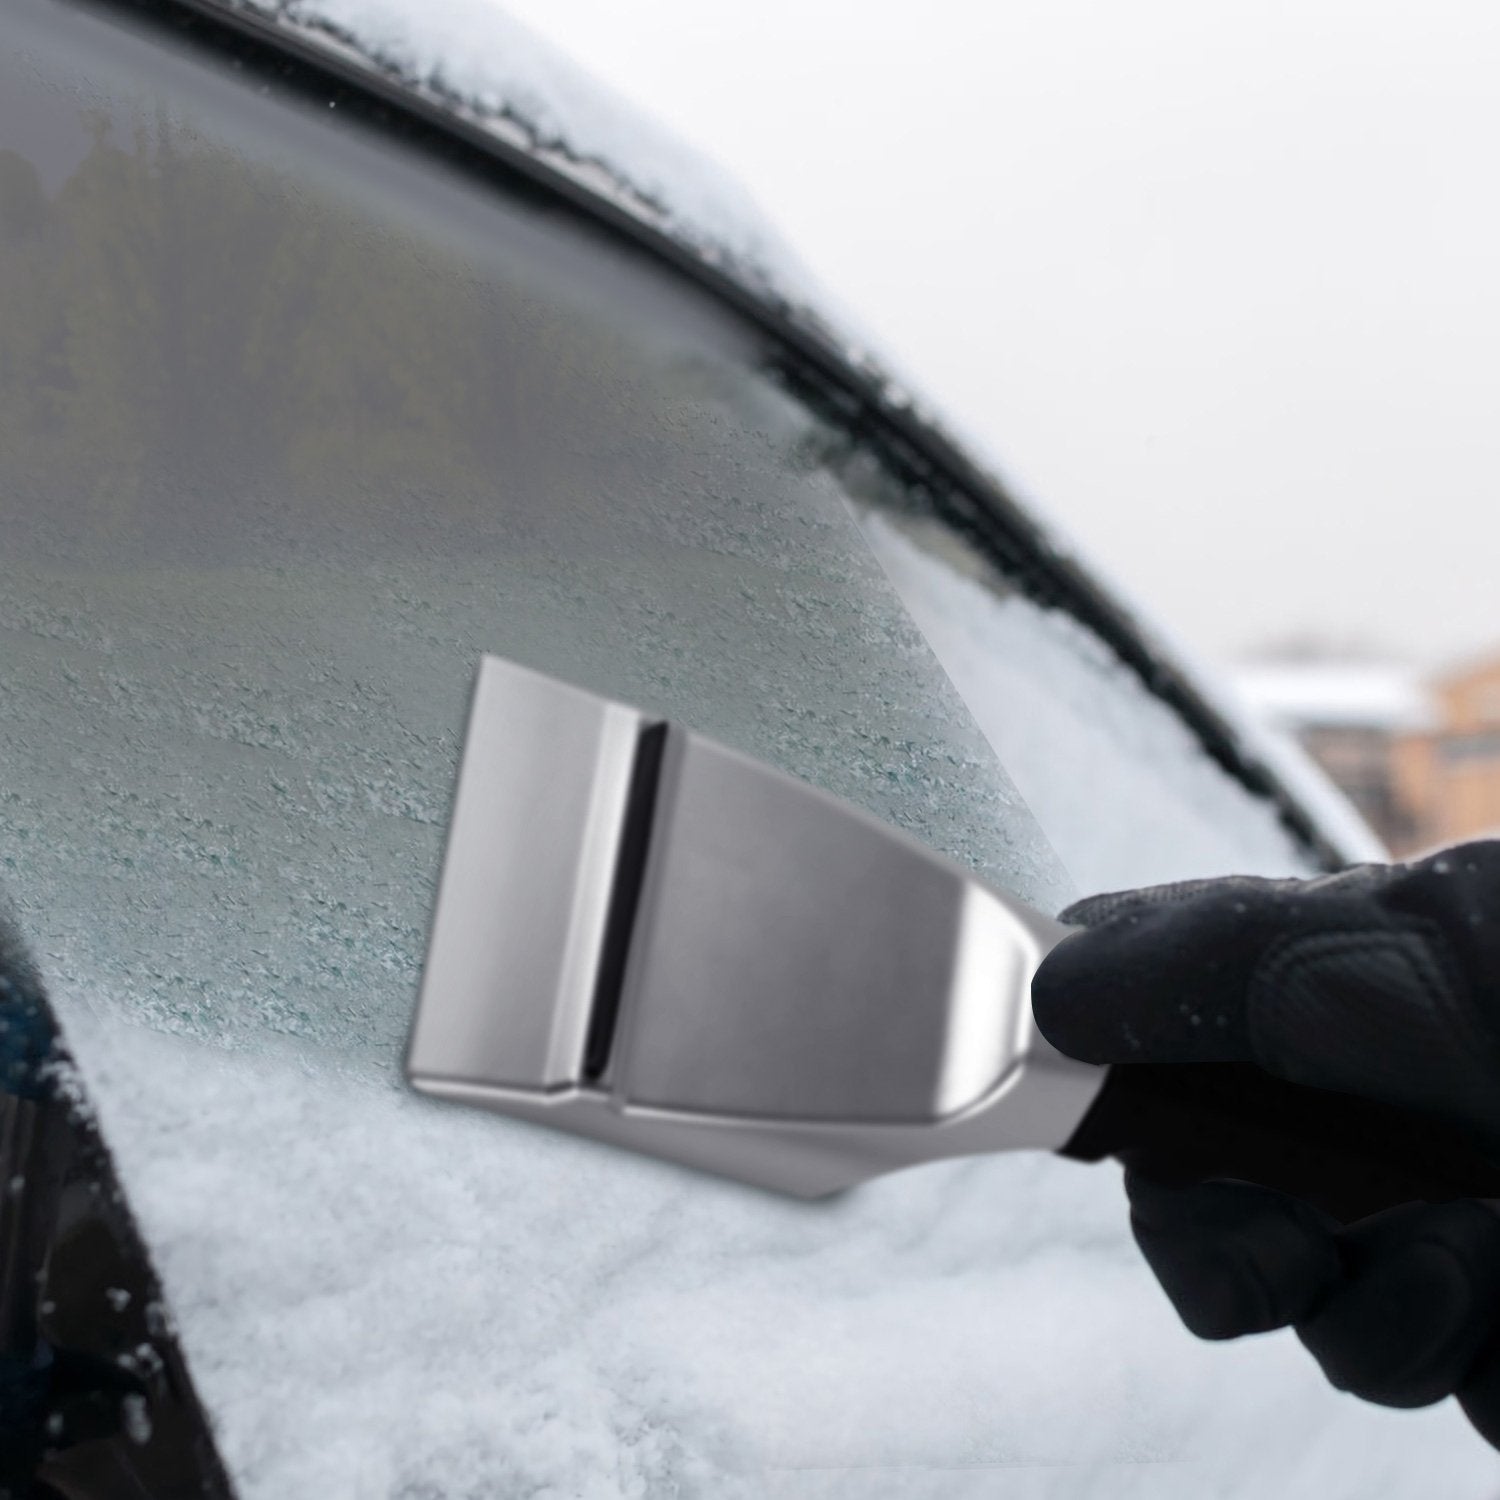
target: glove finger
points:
(1161, 981)
(1232, 1257)
(1417, 1305)
(1092, 911)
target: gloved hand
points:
(1381, 982)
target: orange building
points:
(1420, 760)
(1349, 715)
(1447, 778)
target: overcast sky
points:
(1220, 283)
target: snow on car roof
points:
(482, 66)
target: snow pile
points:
(386, 1297)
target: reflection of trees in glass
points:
(186, 333)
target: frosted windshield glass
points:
(1125, 791)
(260, 526)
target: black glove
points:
(1382, 982)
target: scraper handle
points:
(1348, 1156)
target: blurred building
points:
(1448, 778)
(1355, 718)
(1419, 759)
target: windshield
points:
(293, 440)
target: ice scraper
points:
(648, 938)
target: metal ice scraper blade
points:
(647, 938)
